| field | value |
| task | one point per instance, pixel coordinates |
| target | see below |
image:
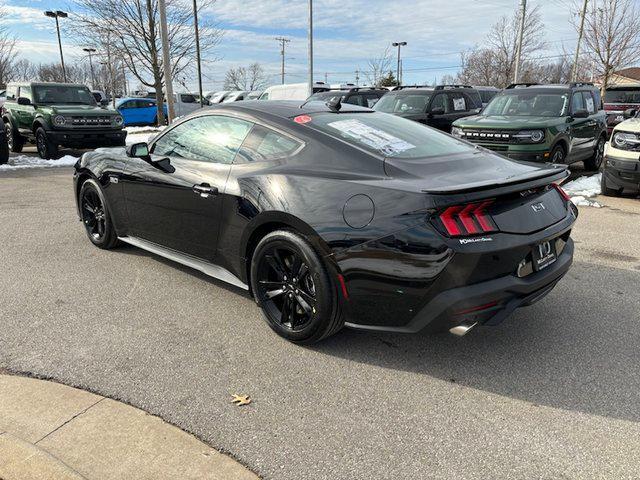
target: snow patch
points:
(148, 129)
(141, 134)
(583, 189)
(23, 161)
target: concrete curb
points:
(50, 431)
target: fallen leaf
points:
(240, 400)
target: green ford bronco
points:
(541, 123)
(58, 114)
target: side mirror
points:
(437, 111)
(580, 114)
(138, 150)
(24, 101)
(629, 113)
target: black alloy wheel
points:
(595, 161)
(46, 149)
(14, 142)
(95, 216)
(291, 285)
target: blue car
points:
(139, 111)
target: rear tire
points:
(292, 286)
(15, 141)
(46, 148)
(4, 150)
(595, 161)
(95, 216)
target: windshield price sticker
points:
(373, 137)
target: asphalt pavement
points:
(552, 393)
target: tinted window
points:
(186, 98)
(589, 102)
(265, 144)
(622, 96)
(577, 102)
(460, 102)
(63, 94)
(487, 95)
(356, 100)
(388, 135)
(440, 102)
(403, 103)
(526, 104)
(371, 99)
(212, 138)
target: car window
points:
(589, 102)
(11, 92)
(212, 138)
(460, 102)
(487, 95)
(577, 102)
(356, 100)
(265, 144)
(526, 104)
(371, 100)
(403, 103)
(632, 95)
(440, 101)
(186, 98)
(25, 92)
(127, 105)
(63, 94)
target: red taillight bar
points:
(470, 219)
(562, 193)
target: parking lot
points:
(551, 393)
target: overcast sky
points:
(347, 33)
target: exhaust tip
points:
(462, 329)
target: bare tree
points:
(611, 36)
(129, 29)
(378, 68)
(22, 70)
(248, 79)
(494, 63)
(7, 51)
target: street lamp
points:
(399, 44)
(59, 14)
(91, 51)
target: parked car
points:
(236, 96)
(4, 146)
(292, 91)
(58, 114)
(437, 106)
(255, 95)
(101, 97)
(336, 217)
(541, 123)
(217, 97)
(486, 93)
(617, 99)
(364, 96)
(139, 111)
(621, 172)
(185, 103)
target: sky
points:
(346, 34)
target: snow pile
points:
(148, 129)
(583, 190)
(24, 161)
(141, 134)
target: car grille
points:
(82, 121)
(488, 136)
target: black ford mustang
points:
(336, 215)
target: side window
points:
(212, 138)
(460, 102)
(11, 93)
(25, 92)
(589, 102)
(440, 101)
(265, 144)
(371, 100)
(186, 98)
(355, 100)
(577, 102)
(598, 99)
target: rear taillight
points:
(562, 193)
(470, 219)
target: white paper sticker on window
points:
(590, 104)
(459, 104)
(372, 137)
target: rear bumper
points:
(622, 173)
(88, 138)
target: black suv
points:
(438, 106)
(363, 96)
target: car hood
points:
(630, 125)
(507, 122)
(477, 170)
(77, 109)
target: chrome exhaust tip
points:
(462, 329)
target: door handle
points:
(205, 190)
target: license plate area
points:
(544, 254)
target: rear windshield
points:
(388, 135)
(63, 95)
(529, 104)
(403, 103)
(622, 96)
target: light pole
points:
(91, 51)
(195, 24)
(310, 47)
(59, 14)
(398, 74)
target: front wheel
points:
(291, 285)
(46, 148)
(95, 216)
(558, 155)
(595, 161)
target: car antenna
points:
(335, 104)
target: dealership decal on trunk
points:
(464, 241)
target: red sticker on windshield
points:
(302, 119)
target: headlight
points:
(59, 120)
(456, 132)
(625, 141)
(530, 136)
(118, 120)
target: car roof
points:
(126, 99)
(286, 108)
